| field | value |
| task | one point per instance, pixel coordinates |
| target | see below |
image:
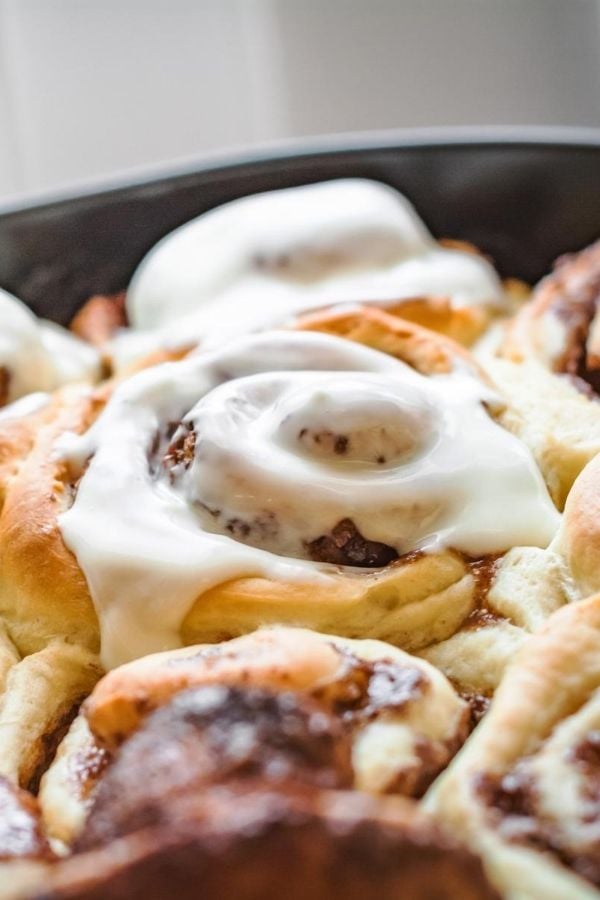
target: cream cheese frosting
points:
(258, 261)
(37, 355)
(292, 432)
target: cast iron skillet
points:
(523, 197)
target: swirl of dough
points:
(251, 483)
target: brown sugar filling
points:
(4, 385)
(512, 799)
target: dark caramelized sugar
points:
(4, 385)
(346, 546)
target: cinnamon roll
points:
(37, 355)
(248, 791)
(259, 261)
(291, 477)
(524, 790)
(550, 370)
(404, 718)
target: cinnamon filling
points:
(346, 546)
(4, 385)
(574, 291)
(367, 687)
(512, 798)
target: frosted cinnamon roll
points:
(291, 477)
(36, 355)
(524, 790)
(274, 473)
(259, 261)
(235, 787)
(404, 718)
(551, 371)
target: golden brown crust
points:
(428, 353)
(43, 593)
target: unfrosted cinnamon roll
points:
(550, 370)
(524, 791)
(36, 355)
(259, 261)
(404, 718)
(247, 792)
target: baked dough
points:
(524, 790)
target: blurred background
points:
(91, 89)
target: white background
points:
(96, 87)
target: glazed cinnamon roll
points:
(239, 786)
(259, 261)
(524, 790)
(551, 372)
(37, 355)
(291, 477)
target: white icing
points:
(452, 477)
(39, 355)
(258, 261)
